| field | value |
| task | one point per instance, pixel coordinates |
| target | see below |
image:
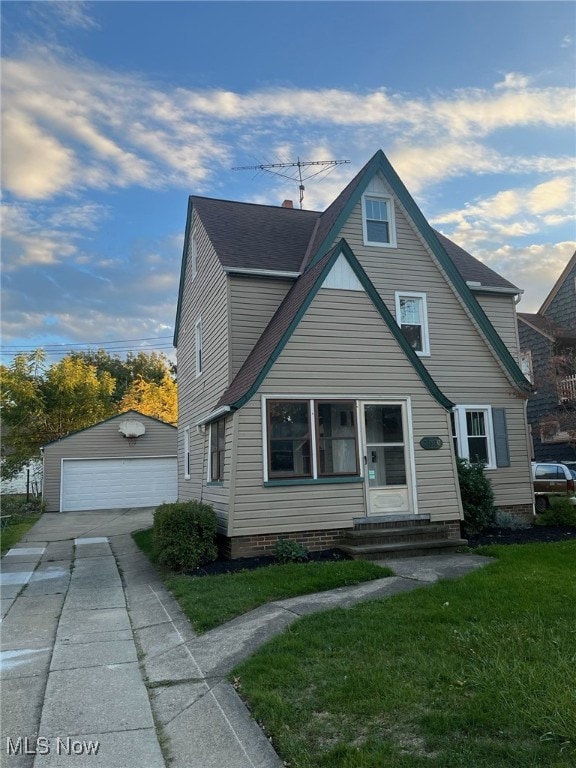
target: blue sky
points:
(114, 112)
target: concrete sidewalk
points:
(94, 649)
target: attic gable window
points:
(378, 221)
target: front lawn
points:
(474, 673)
(209, 601)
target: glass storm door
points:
(385, 458)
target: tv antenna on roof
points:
(325, 166)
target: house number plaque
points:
(431, 443)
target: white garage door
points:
(110, 483)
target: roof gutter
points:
(479, 288)
(260, 272)
(223, 410)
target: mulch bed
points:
(531, 535)
(251, 563)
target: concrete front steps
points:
(398, 536)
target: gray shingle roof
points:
(471, 268)
(253, 236)
(546, 326)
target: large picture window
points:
(311, 438)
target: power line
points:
(83, 343)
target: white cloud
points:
(534, 268)
(71, 126)
(513, 80)
(71, 13)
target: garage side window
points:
(217, 450)
(187, 453)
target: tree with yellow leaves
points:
(152, 399)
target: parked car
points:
(551, 480)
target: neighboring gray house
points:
(128, 460)
(548, 347)
(331, 366)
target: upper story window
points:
(378, 221)
(194, 254)
(412, 317)
(526, 365)
(198, 346)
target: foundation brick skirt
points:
(522, 511)
(263, 543)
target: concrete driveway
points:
(100, 668)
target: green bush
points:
(289, 551)
(477, 496)
(560, 512)
(184, 535)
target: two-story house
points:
(332, 365)
(548, 349)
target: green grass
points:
(209, 601)
(13, 533)
(475, 673)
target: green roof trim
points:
(381, 163)
(183, 272)
(343, 248)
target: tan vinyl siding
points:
(501, 311)
(104, 441)
(341, 348)
(460, 361)
(253, 301)
(204, 297)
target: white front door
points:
(386, 458)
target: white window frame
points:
(187, 453)
(198, 347)
(460, 412)
(194, 253)
(311, 400)
(526, 364)
(424, 317)
(391, 221)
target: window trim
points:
(198, 347)
(187, 453)
(462, 436)
(220, 454)
(424, 324)
(315, 474)
(391, 220)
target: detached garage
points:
(126, 461)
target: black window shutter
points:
(500, 437)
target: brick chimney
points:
(287, 204)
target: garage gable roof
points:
(104, 421)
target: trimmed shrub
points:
(184, 535)
(560, 512)
(290, 551)
(477, 496)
